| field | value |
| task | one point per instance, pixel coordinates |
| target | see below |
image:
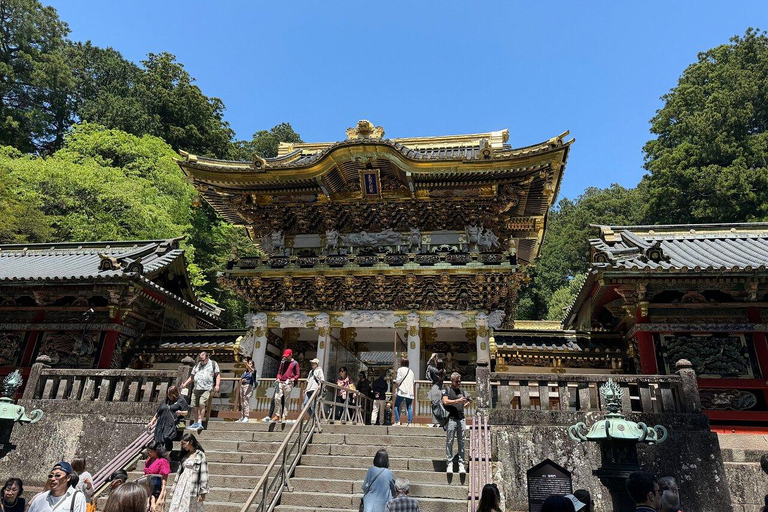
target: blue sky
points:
(425, 68)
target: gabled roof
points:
(660, 250)
(141, 260)
(694, 247)
(86, 260)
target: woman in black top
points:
(436, 375)
(12, 500)
(168, 415)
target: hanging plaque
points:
(370, 182)
(545, 479)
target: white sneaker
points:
(462, 469)
(449, 468)
(266, 419)
(397, 424)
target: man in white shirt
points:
(404, 384)
(61, 497)
(207, 377)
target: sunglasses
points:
(56, 476)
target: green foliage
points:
(563, 297)
(33, 74)
(709, 162)
(264, 143)
(105, 185)
(565, 251)
(20, 208)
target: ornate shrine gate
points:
(374, 245)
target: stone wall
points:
(97, 430)
(522, 439)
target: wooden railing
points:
(567, 392)
(128, 386)
(276, 476)
(479, 459)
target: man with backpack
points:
(454, 400)
(287, 377)
(62, 496)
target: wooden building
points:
(371, 244)
(696, 292)
(85, 305)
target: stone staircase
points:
(330, 476)
(237, 454)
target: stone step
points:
(418, 489)
(323, 501)
(243, 446)
(357, 474)
(262, 436)
(379, 440)
(220, 506)
(434, 452)
(239, 457)
(291, 508)
(379, 430)
(253, 425)
(320, 462)
(248, 481)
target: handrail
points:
(359, 408)
(266, 485)
(479, 459)
(120, 461)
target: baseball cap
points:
(577, 504)
(314, 361)
(288, 353)
(64, 466)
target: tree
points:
(264, 143)
(709, 160)
(563, 297)
(105, 185)
(34, 78)
(565, 251)
(20, 208)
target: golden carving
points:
(365, 130)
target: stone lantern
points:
(618, 438)
(10, 413)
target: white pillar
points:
(483, 334)
(254, 343)
(323, 326)
(414, 344)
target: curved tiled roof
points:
(95, 261)
(713, 247)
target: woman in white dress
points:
(191, 478)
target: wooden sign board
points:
(545, 479)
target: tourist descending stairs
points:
(237, 454)
(330, 476)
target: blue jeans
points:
(408, 405)
(455, 429)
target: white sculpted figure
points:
(389, 237)
(473, 234)
(331, 241)
(288, 319)
(414, 239)
(273, 243)
(495, 318)
(487, 239)
(322, 321)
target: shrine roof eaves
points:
(95, 261)
(307, 156)
(662, 251)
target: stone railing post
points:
(33, 381)
(182, 374)
(483, 375)
(691, 401)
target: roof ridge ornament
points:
(365, 130)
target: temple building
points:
(86, 305)
(696, 292)
(375, 246)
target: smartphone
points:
(155, 485)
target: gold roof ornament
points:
(365, 130)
